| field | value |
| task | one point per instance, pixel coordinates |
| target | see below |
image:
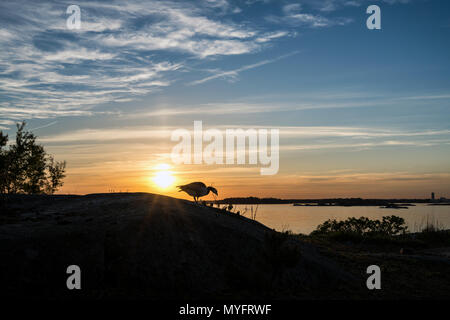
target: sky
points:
(361, 113)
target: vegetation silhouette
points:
(25, 166)
(389, 226)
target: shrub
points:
(388, 226)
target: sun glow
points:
(163, 178)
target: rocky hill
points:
(152, 246)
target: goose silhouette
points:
(197, 190)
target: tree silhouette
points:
(26, 167)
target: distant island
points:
(346, 202)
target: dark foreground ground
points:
(148, 246)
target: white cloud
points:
(72, 55)
(291, 8)
(123, 50)
(294, 14)
(273, 35)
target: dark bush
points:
(357, 227)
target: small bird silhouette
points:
(197, 190)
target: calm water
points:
(306, 219)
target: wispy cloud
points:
(316, 13)
(126, 50)
(233, 74)
(366, 145)
(274, 103)
(333, 5)
(358, 135)
(295, 15)
(45, 125)
(428, 97)
(123, 50)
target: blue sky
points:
(350, 102)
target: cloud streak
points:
(295, 15)
(233, 74)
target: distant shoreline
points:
(343, 202)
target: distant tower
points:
(432, 196)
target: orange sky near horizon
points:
(244, 182)
(98, 162)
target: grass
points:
(431, 224)
(252, 210)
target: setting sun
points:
(163, 178)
